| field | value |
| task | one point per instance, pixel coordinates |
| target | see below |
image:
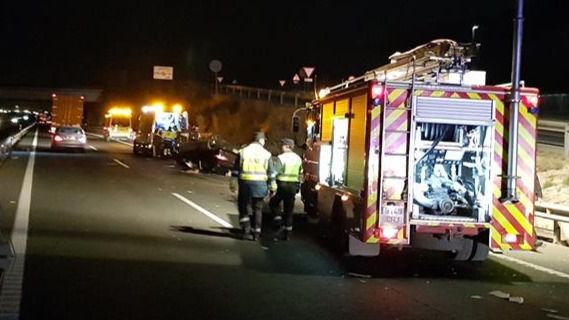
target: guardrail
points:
(9, 142)
(556, 218)
(273, 96)
(551, 132)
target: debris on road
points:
(500, 294)
(476, 297)
(549, 310)
(12, 202)
(518, 300)
(359, 275)
(554, 316)
(190, 192)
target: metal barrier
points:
(554, 133)
(553, 220)
(9, 142)
(297, 99)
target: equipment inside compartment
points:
(452, 165)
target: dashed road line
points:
(122, 164)
(12, 285)
(533, 266)
(203, 211)
(95, 135)
(122, 142)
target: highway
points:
(108, 235)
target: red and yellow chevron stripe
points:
(371, 212)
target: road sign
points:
(163, 73)
(282, 82)
(215, 66)
(308, 71)
(219, 79)
(308, 80)
(296, 79)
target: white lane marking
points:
(122, 142)
(95, 135)
(532, 266)
(114, 140)
(203, 211)
(12, 285)
(124, 165)
(93, 148)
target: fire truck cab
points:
(415, 154)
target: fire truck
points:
(421, 153)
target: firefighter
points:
(288, 182)
(253, 171)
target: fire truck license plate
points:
(393, 215)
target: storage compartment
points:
(451, 173)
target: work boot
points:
(282, 234)
(278, 220)
(256, 234)
(246, 233)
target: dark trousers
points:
(246, 198)
(286, 193)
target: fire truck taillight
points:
(377, 94)
(511, 238)
(389, 232)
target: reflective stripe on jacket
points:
(291, 167)
(254, 163)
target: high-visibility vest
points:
(254, 163)
(291, 167)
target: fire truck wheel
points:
(466, 251)
(338, 233)
(480, 252)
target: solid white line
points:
(11, 300)
(93, 148)
(532, 266)
(203, 211)
(124, 165)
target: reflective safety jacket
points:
(290, 168)
(254, 164)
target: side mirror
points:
(295, 124)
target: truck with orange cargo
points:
(416, 154)
(66, 110)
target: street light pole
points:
(511, 190)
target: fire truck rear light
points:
(345, 197)
(376, 94)
(389, 232)
(58, 138)
(511, 238)
(318, 187)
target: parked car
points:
(69, 137)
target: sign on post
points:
(282, 82)
(296, 79)
(163, 73)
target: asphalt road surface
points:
(114, 236)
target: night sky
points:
(101, 44)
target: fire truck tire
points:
(480, 252)
(465, 253)
(338, 232)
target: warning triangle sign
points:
(308, 71)
(282, 82)
(219, 79)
